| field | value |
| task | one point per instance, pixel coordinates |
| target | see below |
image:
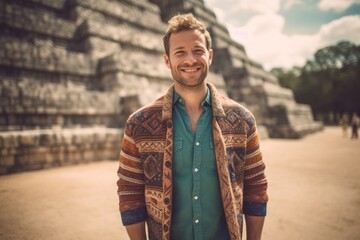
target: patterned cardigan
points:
(145, 169)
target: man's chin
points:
(190, 85)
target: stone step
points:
(37, 21)
(32, 104)
(140, 13)
(38, 149)
(123, 34)
(43, 56)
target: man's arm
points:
(255, 187)
(254, 226)
(131, 187)
(136, 231)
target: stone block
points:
(28, 140)
(34, 166)
(10, 92)
(3, 170)
(132, 13)
(66, 139)
(75, 157)
(88, 156)
(78, 140)
(49, 158)
(9, 141)
(7, 161)
(46, 139)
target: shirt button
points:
(197, 221)
(196, 197)
(197, 143)
(196, 170)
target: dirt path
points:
(314, 195)
(314, 187)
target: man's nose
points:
(190, 58)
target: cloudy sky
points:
(284, 33)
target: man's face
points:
(188, 59)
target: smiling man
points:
(190, 163)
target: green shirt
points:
(197, 206)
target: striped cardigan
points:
(145, 169)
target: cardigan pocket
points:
(178, 155)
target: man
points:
(190, 164)
(354, 125)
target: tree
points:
(342, 55)
(288, 78)
(329, 82)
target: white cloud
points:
(259, 6)
(220, 14)
(347, 27)
(266, 43)
(263, 35)
(336, 5)
(287, 4)
(264, 24)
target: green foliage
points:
(329, 82)
(288, 78)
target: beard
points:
(189, 82)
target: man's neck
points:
(193, 97)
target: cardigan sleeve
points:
(255, 182)
(131, 180)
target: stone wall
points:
(54, 106)
(44, 148)
(71, 72)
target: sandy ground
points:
(314, 190)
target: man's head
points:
(188, 51)
(184, 22)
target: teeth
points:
(190, 70)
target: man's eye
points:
(199, 51)
(179, 53)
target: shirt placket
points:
(197, 223)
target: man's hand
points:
(136, 231)
(254, 226)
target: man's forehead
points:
(182, 38)
(189, 32)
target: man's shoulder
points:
(231, 105)
(151, 108)
(235, 109)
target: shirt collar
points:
(216, 102)
(206, 102)
(176, 98)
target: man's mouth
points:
(190, 70)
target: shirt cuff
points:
(133, 216)
(254, 209)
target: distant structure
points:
(71, 71)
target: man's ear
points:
(166, 60)
(211, 54)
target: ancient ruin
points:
(71, 71)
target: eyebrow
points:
(178, 48)
(196, 47)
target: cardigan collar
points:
(217, 107)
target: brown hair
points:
(184, 22)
